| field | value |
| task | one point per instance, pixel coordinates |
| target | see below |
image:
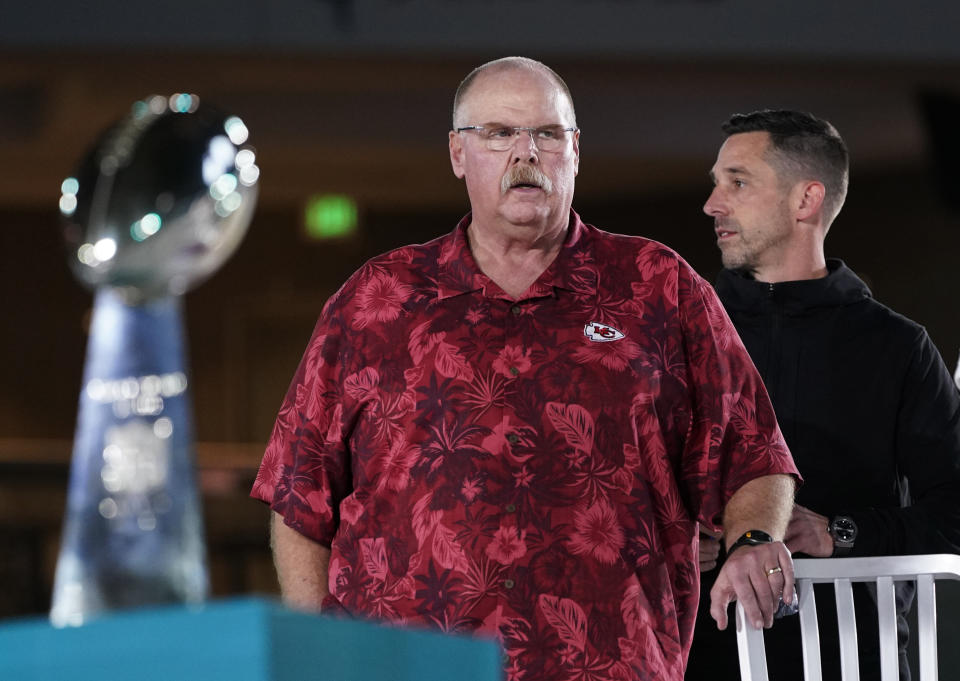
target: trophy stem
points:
(133, 530)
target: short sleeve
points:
(734, 436)
(305, 469)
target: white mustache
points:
(525, 174)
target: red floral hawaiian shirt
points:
(532, 469)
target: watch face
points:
(843, 529)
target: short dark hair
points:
(801, 146)
(504, 64)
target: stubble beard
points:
(746, 254)
(733, 254)
(735, 257)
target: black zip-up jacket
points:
(872, 417)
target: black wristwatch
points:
(750, 538)
(844, 532)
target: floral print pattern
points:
(478, 463)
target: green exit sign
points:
(330, 216)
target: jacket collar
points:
(740, 292)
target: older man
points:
(515, 429)
(865, 402)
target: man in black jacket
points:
(863, 398)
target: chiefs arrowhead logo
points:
(601, 333)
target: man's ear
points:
(456, 153)
(576, 152)
(809, 201)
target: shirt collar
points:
(574, 268)
(457, 271)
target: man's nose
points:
(526, 148)
(714, 205)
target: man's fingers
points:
(718, 610)
(768, 595)
(709, 552)
(789, 579)
(755, 597)
(748, 582)
(721, 595)
(758, 581)
(756, 577)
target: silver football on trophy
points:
(161, 200)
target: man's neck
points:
(778, 275)
(515, 258)
(797, 262)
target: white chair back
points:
(842, 573)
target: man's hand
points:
(709, 549)
(751, 575)
(809, 533)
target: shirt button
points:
(514, 370)
(510, 508)
(513, 438)
(508, 583)
(515, 309)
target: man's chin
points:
(733, 261)
(525, 212)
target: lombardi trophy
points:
(156, 206)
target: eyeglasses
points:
(502, 138)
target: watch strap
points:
(750, 538)
(841, 551)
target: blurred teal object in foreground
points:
(158, 204)
(239, 640)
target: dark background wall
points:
(248, 325)
(354, 97)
